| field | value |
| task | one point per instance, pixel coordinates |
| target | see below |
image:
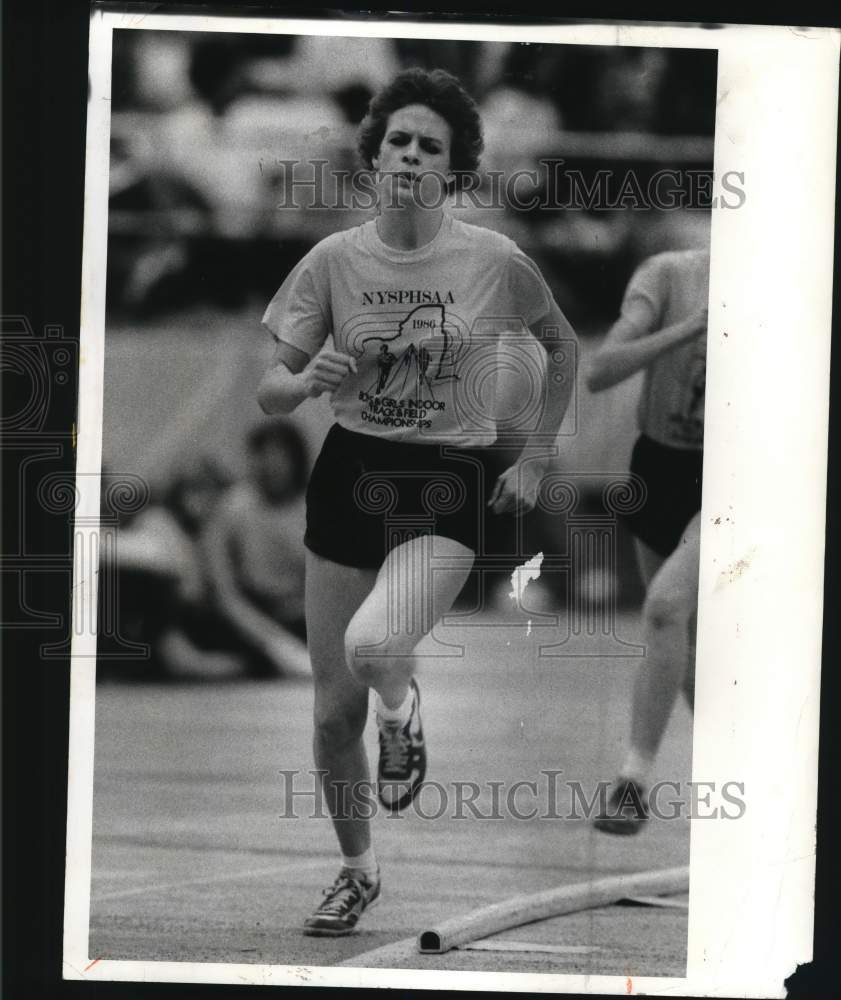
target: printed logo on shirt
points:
(404, 360)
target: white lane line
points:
(144, 890)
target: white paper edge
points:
(752, 880)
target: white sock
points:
(637, 766)
(364, 864)
(400, 714)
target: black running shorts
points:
(367, 495)
(672, 477)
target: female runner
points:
(663, 330)
(412, 300)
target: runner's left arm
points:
(516, 489)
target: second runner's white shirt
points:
(675, 285)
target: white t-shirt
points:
(675, 285)
(424, 326)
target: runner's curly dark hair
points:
(442, 93)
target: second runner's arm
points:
(630, 345)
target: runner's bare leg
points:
(670, 605)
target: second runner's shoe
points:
(627, 809)
(402, 765)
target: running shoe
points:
(402, 764)
(626, 811)
(344, 903)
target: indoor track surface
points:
(197, 855)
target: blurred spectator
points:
(457, 56)
(594, 87)
(629, 87)
(193, 644)
(323, 64)
(536, 68)
(137, 577)
(518, 126)
(255, 552)
(220, 64)
(687, 105)
(586, 254)
(688, 229)
(159, 224)
(159, 590)
(190, 503)
(353, 99)
(150, 70)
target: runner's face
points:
(417, 141)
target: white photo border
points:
(761, 583)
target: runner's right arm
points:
(293, 377)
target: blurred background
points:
(197, 245)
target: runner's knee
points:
(361, 640)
